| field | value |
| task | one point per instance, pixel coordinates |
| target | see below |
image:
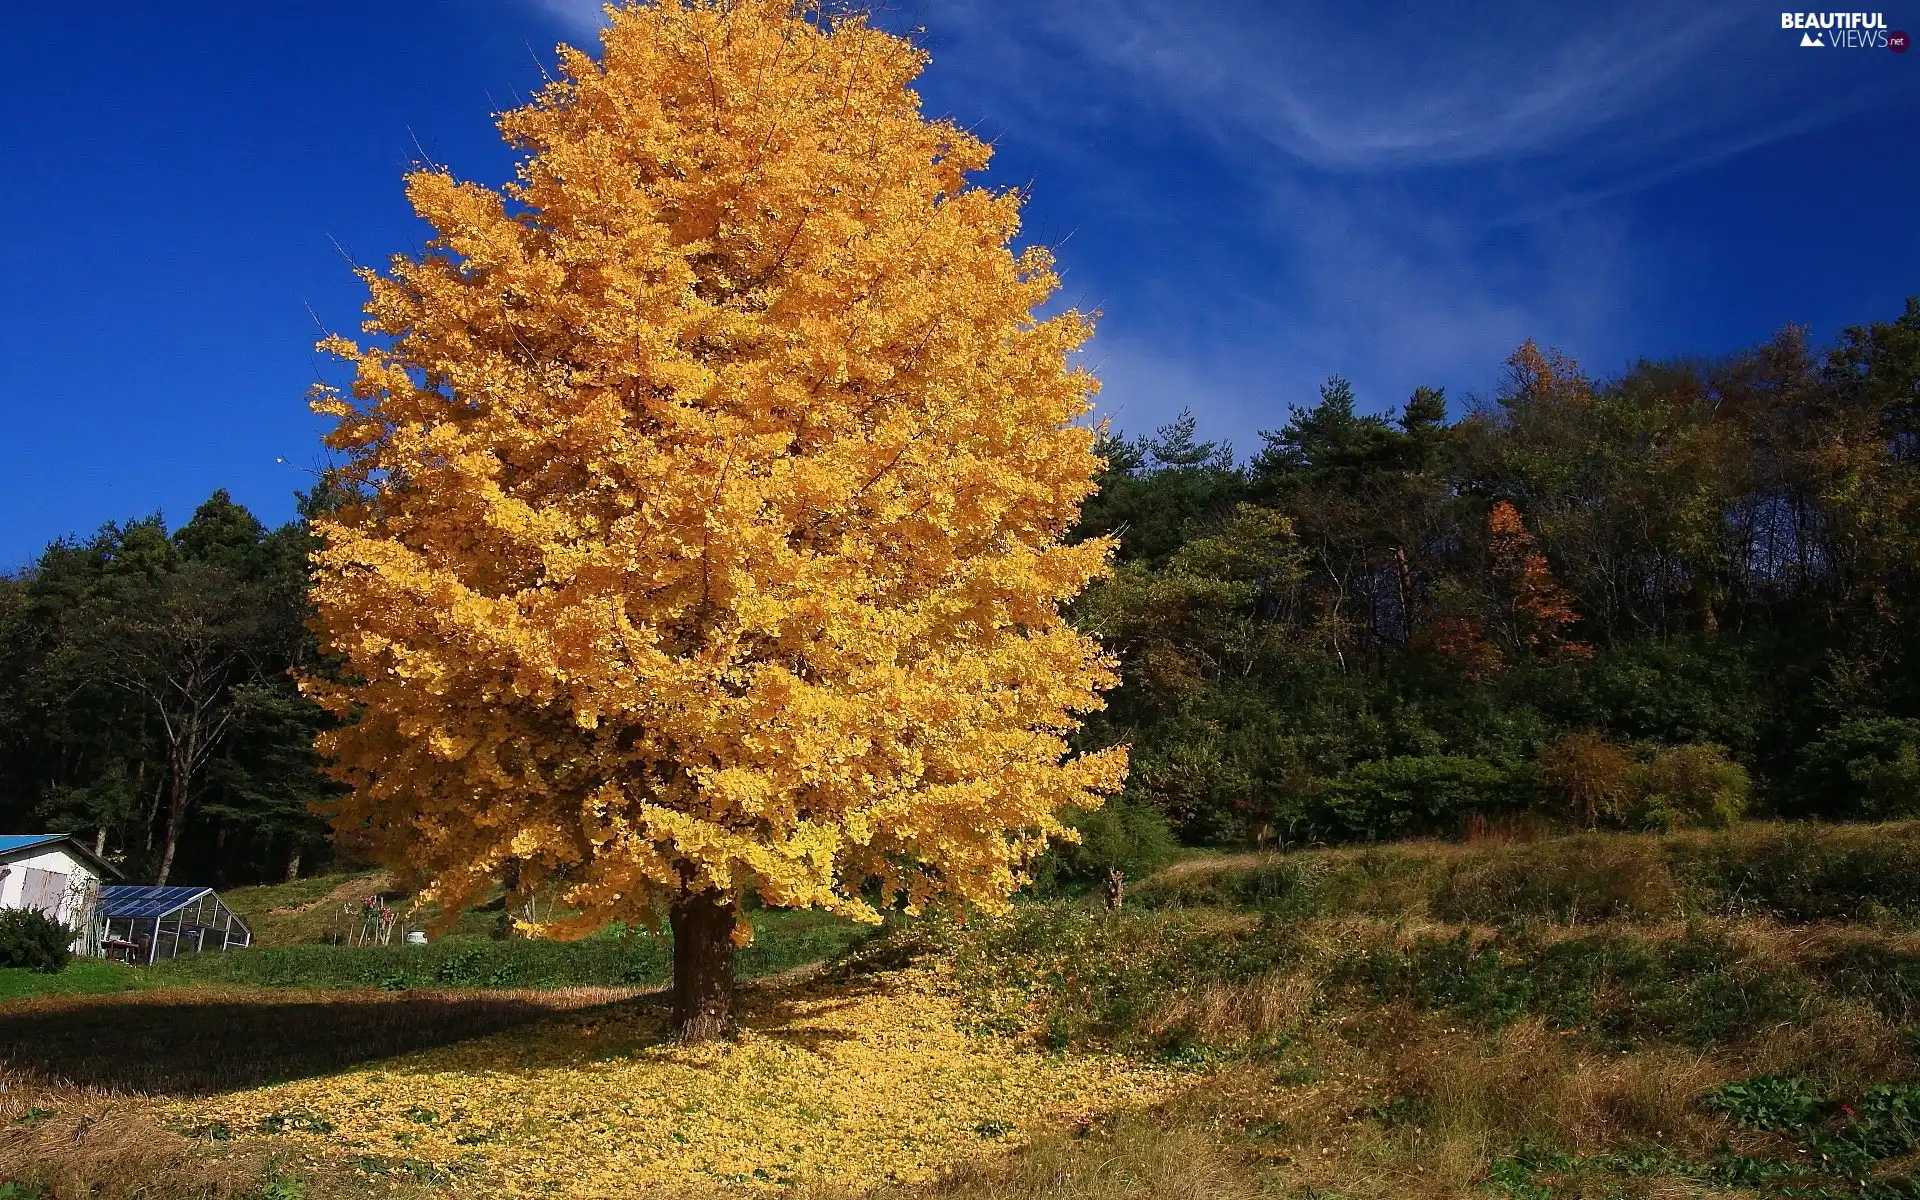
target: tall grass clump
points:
(1789, 872)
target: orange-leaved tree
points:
(713, 484)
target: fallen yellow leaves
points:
(851, 1085)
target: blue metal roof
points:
(14, 843)
(139, 900)
(20, 841)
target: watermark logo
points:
(1844, 31)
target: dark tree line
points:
(1672, 596)
(147, 699)
(1658, 598)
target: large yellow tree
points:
(713, 481)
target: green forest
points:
(1662, 599)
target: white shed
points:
(58, 874)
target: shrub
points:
(1690, 786)
(1415, 794)
(1862, 769)
(31, 939)
(1122, 835)
(1586, 776)
(1676, 692)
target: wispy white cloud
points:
(580, 18)
(1389, 87)
(1412, 189)
(1262, 193)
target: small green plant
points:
(31, 939)
(211, 1131)
(1122, 835)
(295, 1119)
(1769, 1103)
(277, 1186)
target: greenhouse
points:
(147, 924)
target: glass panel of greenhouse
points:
(140, 924)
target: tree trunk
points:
(150, 811)
(293, 864)
(182, 782)
(702, 966)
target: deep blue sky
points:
(1255, 195)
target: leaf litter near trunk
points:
(840, 1084)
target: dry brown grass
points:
(1233, 1014)
(90, 1144)
(1184, 1150)
(1529, 1081)
(354, 891)
(1847, 1046)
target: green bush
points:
(31, 939)
(1862, 769)
(1416, 794)
(1674, 692)
(1695, 786)
(1122, 835)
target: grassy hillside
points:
(1715, 1015)
(325, 908)
(1724, 1014)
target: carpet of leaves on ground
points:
(851, 1084)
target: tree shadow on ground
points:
(183, 1043)
(787, 1008)
(175, 1043)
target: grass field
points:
(1710, 1015)
(288, 952)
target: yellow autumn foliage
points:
(713, 481)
